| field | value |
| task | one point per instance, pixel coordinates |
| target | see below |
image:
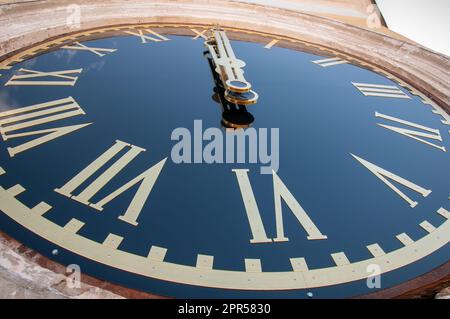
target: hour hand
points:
(229, 68)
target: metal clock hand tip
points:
(229, 68)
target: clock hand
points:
(229, 68)
(233, 115)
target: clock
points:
(115, 157)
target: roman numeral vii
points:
(146, 180)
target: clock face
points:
(93, 171)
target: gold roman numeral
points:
(329, 62)
(144, 37)
(271, 44)
(29, 75)
(33, 115)
(384, 175)
(199, 34)
(81, 47)
(377, 90)
(147, 180)
(433, 134)
(280, 191)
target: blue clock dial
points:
(155, 158)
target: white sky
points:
(424, 21)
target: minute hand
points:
(229, 68)
(229, 64)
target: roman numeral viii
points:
(147, 180)
(280, 191)
(17, 119)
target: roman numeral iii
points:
(147, 180)
(280, 191)
(34, 115)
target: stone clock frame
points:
(423, 72)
